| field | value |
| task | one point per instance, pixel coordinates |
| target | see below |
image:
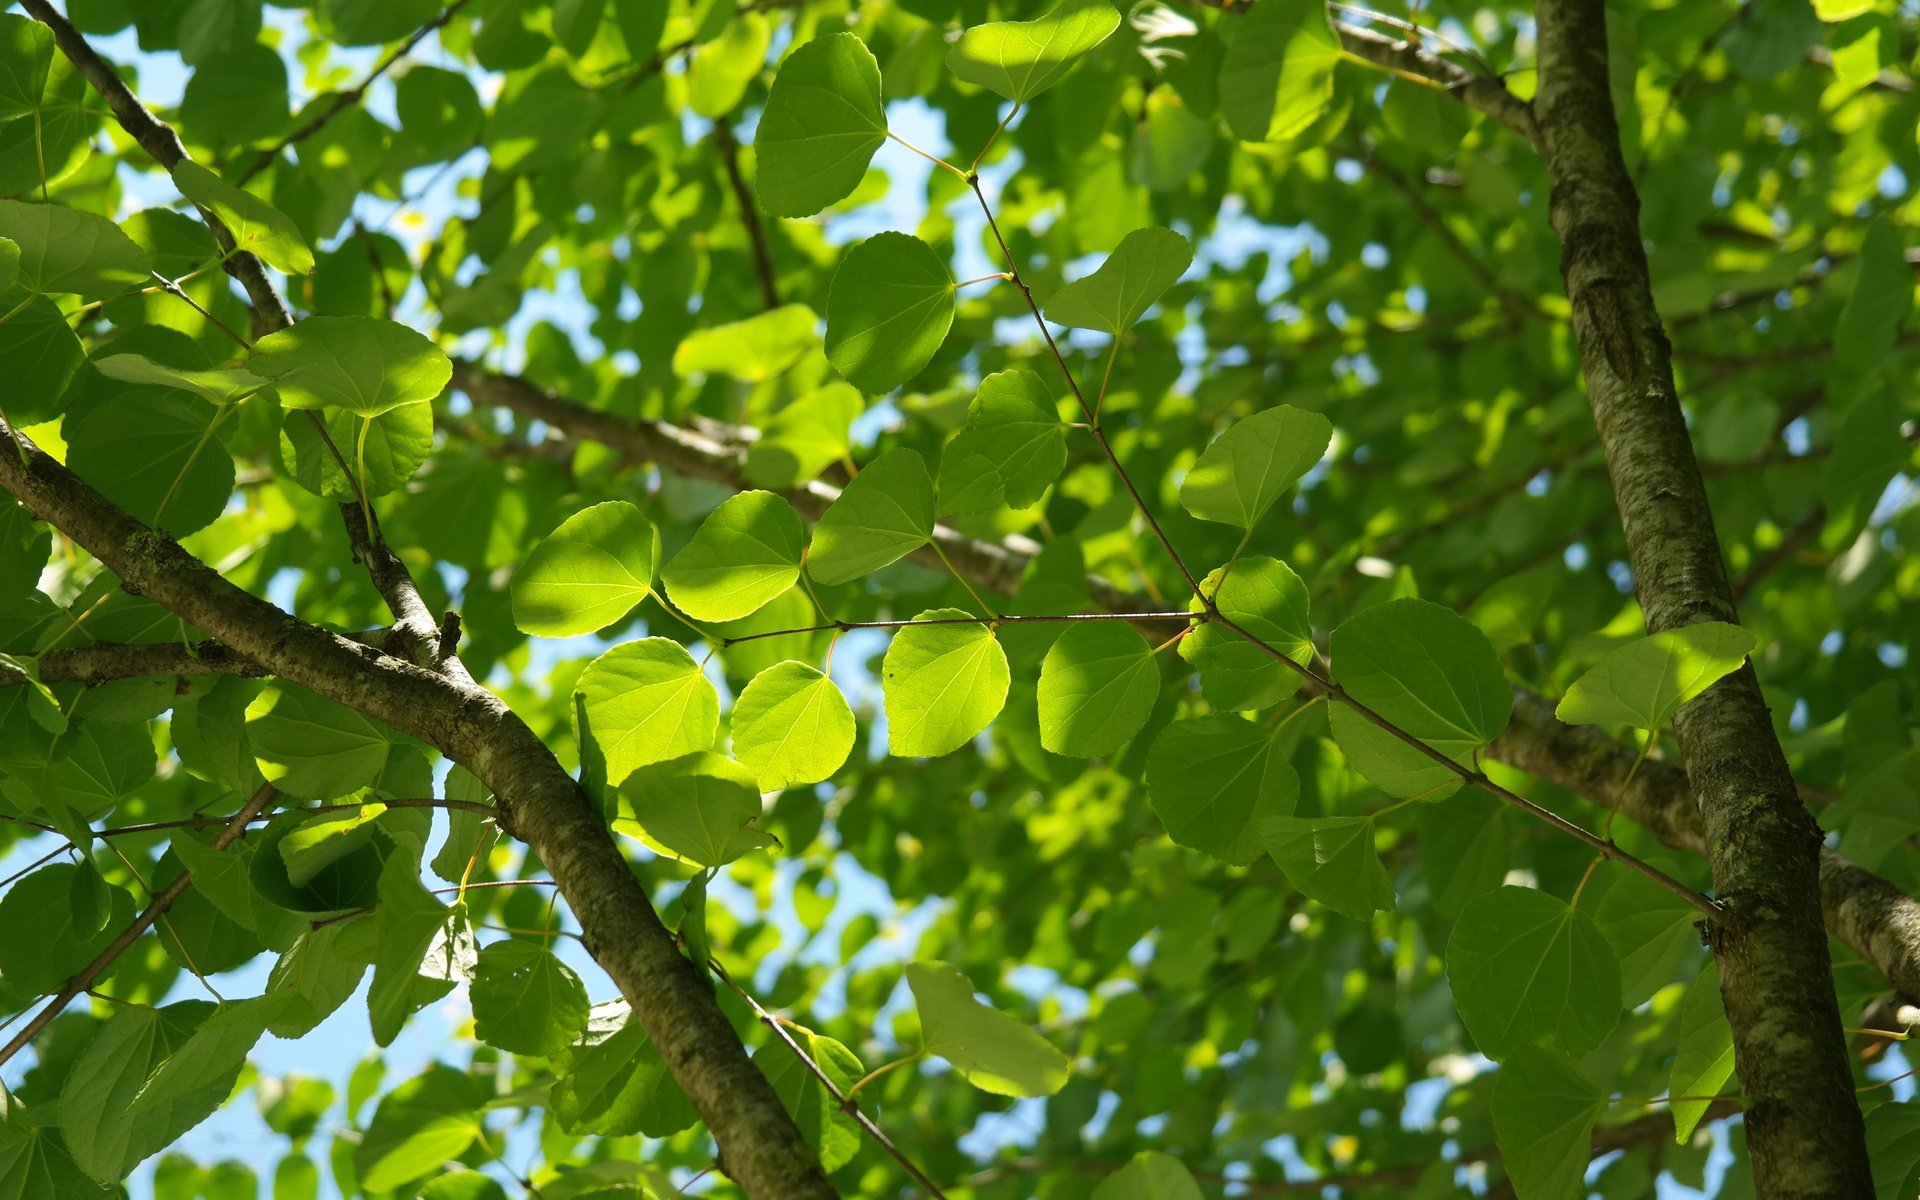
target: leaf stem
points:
(935, 159)
(955, 572)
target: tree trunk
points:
(1803, 1122)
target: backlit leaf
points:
(525, 1000)
(943, 683)
(646, 702)
(587, 574)
(1646, 681)
(257, 226)
(886, 513)
(361, 364)
(66, 251)
(744, 554)
(1013, 448)
(1021, 59)
(989, 1049)
(696, 807)
(1427, 670)
(1543, 1114)
(791, 726)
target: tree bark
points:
(1804, 1126)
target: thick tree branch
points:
(1879, 921)
(765, 1152)
(1402, 56)
(1805, 1130)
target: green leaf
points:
(721, 69)
(822, 123)
(384, 452)
(60, 947)
(1543, 1114)
(1331, 860)
(196, 1077)
(1703, 1059)
(1277, 78)
(225, 879)
(1430, 672)
(1150, 1175)
(834, 1133)
(615, 1083)
(988, 1049)
(312, 747)
(1021, 59)
(1646, 681)
(26, 58)
(219, 385)
(1652, 932)
(754, 350)
(407, 922)
(65, 251)
(525, 1000)
(888, 310)
(39, 355)
(421, 1125)
(1524, 967)
(587, 574)
(744, 554)
(1213, 780)
(326, 839)
(1139, 271)
(362, 364)
(646, 702)
(885, 514)
(697, 807)
(9, 263)
(34, 1162)
(791, 726)
(104, 1133)
(155, 456)
(1264, 597)
(1881, 300)
(803, 437)
(1097, 687)
(257, 227)
(943, 684)
(1013, 448)
(1246, 469)
(1893, 1147)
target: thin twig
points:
(162, 901)
(1004, 619)
(729, 151)
(352, 96)
(846, 1103)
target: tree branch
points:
(1806, 1133)
(765, 1151)
(1401, 56)
(763, 268)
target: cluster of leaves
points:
(1242, 884)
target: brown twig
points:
(162, 901)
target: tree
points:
(960, 599)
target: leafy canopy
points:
(999, 611)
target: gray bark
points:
(1804, 1126)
